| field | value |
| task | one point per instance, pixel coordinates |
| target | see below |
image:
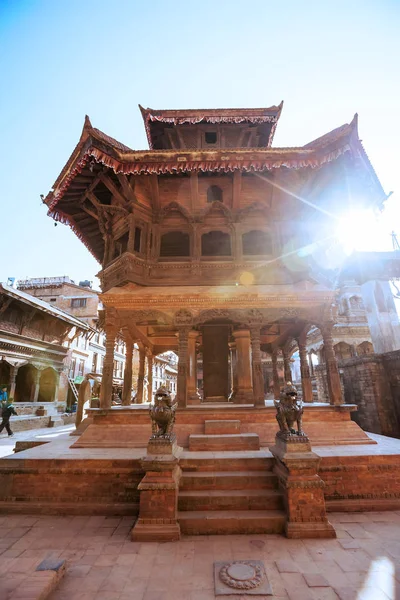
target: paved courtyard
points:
(46, 434)
(102, 564)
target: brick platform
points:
(129, 427)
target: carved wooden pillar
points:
(150, 360)
(111, 330)
(13, 378)
(237, 240)
(306, 383)
(234, 379)
(35, 386)
(192, 391)
(275, 374)
(332, 371)
(258, 380)
(183, 365)
(196, 243)
(127, 389)
(140, 381)
(131, 238)
(286, 366)
(244, 392)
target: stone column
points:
(275, 374)
(150, 359)
(286, 366)
(234, 380)
(258, 380)
(183, 366)
(127, 389)
(332, 371)
(244, 392)
(35, 386)
(140, 381)
(13, 378)
(306, 383)
(111, 331)
(192, 391)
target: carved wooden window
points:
(137, 239)
(175, 243)
(216, 243)
(214, 194)
(210, 137)
(256, 243)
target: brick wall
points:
(367, 384)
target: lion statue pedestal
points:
(159, 487)
(297, 470)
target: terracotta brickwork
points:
(358, 483)
(371, 383)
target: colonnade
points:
(246, 375)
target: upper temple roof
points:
(211, 128)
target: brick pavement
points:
(363, 563)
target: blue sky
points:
(62, 59)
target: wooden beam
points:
(155, 194)
(127, 187)
(5, 304)
(113, 189)
(88, 211)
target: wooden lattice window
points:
(216, 243)
(256, 243)
(175, 243)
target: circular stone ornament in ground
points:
(241, 575)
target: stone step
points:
(215, 427)
(205, 500)
(240, 441)
(229, 480)
(222, 522)
(205, 462)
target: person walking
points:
(3, 395)
(8, 410)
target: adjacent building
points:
(34, 344)
(86, 352)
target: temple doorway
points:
(47, 385)
(26, 378)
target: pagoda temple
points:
(214, 241)
(222, 248)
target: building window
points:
(256, 242)
(175, 243)
(94, 362)
(214, 194)
(81, 368)
(210, 137)
(78, 302)
(101, 364)
(97, 338)
(137, 239)
(216, 243)
(53, 299)
(71, 373)
(115, 367)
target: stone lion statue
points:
(162, 414)
(289, 411)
